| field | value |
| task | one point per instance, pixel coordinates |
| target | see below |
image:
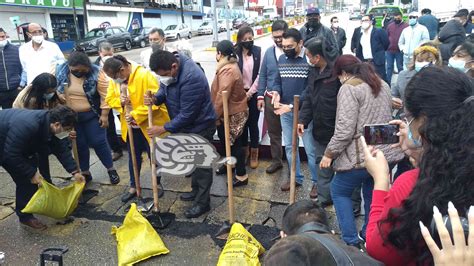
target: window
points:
(150, 15)
(197, 17)
(109, 31)
(118, 30)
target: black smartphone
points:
(378, 134)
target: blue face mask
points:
(49, 96)
(412, 21)
(420, 65)
(416, 142)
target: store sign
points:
(44, 3)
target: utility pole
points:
(182, 11)
(86, 19)
(215, 37)
(76, 24)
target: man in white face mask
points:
(38, 55)
(370, 44)
(463, 59)
(10, 71)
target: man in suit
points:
(370, 44)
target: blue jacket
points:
(90, 85)
(379, 43)
(268, 72)
(188, 100)
(431, 23)
(10, 68)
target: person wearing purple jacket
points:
(394, 30)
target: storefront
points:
(56, 16)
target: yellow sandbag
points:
(136, 239)
(241, 248)
(55, 202)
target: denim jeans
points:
(342, 187)
(309, 147)
(391, 58)
(90, 134)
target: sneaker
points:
(114, 177)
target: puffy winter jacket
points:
(451, 36)
(10, 68)
(23, 134)
(188, 100)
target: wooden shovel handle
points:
(230, 188)
(294, 148)
(154, 181)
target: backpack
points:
(340, 253)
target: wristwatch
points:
(290, 105)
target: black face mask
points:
(290, 53)
(247, 45)
(314, 23)
(398, 21)
(79, 74)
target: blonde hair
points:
(428, 51)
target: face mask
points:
(290, 53)
(78, 74)
(365, 25)
(335, 25)
(119, 80)
(398, 21)
(416, 142)
(167, 80)
(38, 39)
(62, 135)
(458, 64)
(48, 96)
(412, 21)
(3, 44)
(421, 65)
(247, 45)
(313, 23)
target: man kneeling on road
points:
(185, 92)
(23, 134)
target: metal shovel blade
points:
(160, 220)
(224, 231)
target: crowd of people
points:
(56, 99)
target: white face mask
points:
(49, 96)
(365, 25)
(38, 39)
(167, 80)
(458, 64)
(119, 80)
(335, 25)
(62, 135)
(309, 62)
(421, 65)
(3, 43)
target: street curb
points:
(213, 49)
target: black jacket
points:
(451, 36)
(10, 68)
(355, 39)
(379, 44)
(341, 38)
(327, 34)
(23, 134)
(320, 104)
(257, 56)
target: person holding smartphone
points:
(362, 99)
(437, 135)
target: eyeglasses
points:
(277, 38)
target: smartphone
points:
(381, 134)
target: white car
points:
(178, 31)
(205, 28)
(221, 25)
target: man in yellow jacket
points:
(127, 87)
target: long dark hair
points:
(39, 87)
(441, 97)
(364, 71)
(240, 35)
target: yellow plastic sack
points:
(241, 248)
(136, 239)
(55, 202)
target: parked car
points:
(237, 23)
(117, 36)
(140, 36)
(249, 22)
(356, 15)
(178, 31)
(378, 13)
(205, 28)
(221, 25)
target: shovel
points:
(294, 150)
(141, 206)
(225, 229)
(157, 219)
